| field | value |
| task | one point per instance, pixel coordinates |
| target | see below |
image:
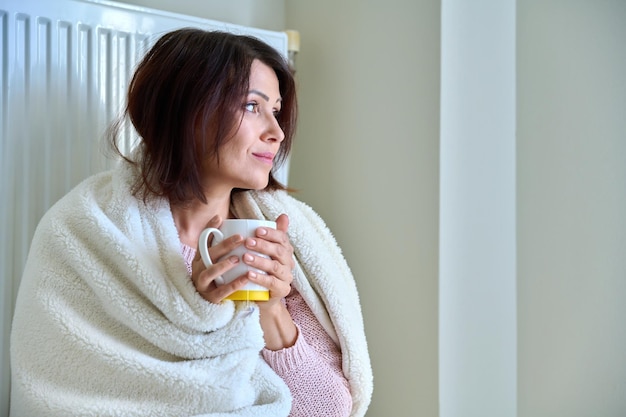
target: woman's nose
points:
(274, 132)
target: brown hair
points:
(185, 101)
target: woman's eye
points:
(252, 107)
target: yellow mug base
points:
(249, 295)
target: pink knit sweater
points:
(311, 368)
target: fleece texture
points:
(108, 323)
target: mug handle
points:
(203, 247)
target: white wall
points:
(477, 250)
(571, 157)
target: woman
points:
(116, 313)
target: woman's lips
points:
(265, 157)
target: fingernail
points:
(233, 260)
(262, 232)
(251, 242)
(248, 258)
(252, 274)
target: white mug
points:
(245, 228)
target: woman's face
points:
(246, 159)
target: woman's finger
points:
(278, 288)
(225, 247)
(273, 242)
(217, 294)
(270, 266)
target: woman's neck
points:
(191, 218)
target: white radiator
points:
(64, 67)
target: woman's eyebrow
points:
(262, 95)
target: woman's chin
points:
(256, 185)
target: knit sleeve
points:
(311, 368)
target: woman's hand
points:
(273, 243)
(279, 330)
(279, 268)
(204, 277)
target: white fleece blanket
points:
(108, 323)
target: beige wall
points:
(571, 157)
(367, 160)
